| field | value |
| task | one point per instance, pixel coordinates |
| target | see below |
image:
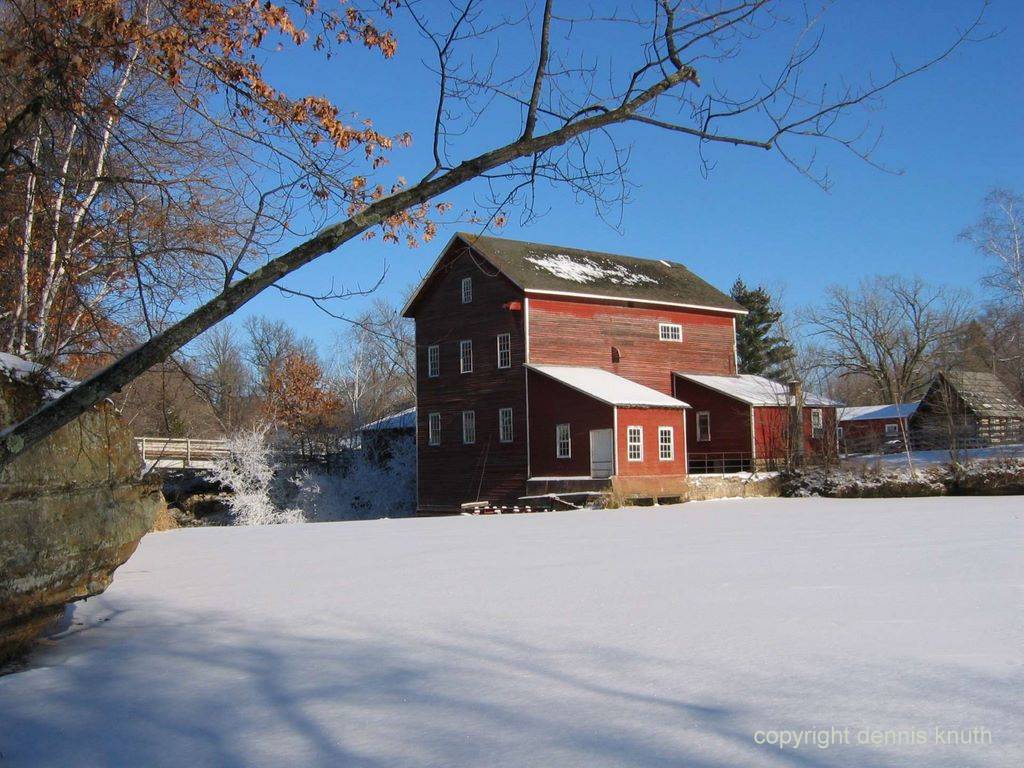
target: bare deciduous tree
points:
(894, 331)
(998, 236)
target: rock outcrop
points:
(72, 509)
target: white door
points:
(602, 457)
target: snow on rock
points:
(581, 269)
(658, 636)
(18, 369)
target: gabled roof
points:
(871, 412)
(753, 390)
(555, 269)
(985, 394)
(608, 387)
(401, 420)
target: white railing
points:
(180, 451)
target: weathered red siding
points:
(553, 403)
(452, 473)
(572, 331)
(869, 434)
(771, 429)
(650, 419)
(730, 419)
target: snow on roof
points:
(868, 412)
(755, 390)
(561, 270)
(402, 420)
(19, 369)
(585, 270)
(607, 387)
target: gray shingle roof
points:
(555, 268)
(985, 394)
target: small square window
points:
(469, 427)
(467, 290)
(434, 429)
(703, 426)
(504, 350)
(666, 444)
(505, 425)
(563, 442)
(635, 443)
(433, 361)
(892, 430)
(670, 331)
(466, 356)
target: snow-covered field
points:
(672, 636)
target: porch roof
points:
(872, 412)
(608, 387)
(753, 390)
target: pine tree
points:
(759, 349)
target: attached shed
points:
(588, 424)
(737, 423)
(967, 409)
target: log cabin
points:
(544, 369)
(966, 409)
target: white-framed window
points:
(468, 427)
(504, 350)
(666, 444)
(563, 442)
(434, 429)
(505, 425)
(635, 443)
(433, 361)
(839, 433)
(466, 356)
(467, 290)
(892, 430)
(670, 331)
(703, 426)
(816, 422)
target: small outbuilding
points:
(739, 423)
(967, 409)
(874, 428)
(378, 438)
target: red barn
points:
(871, 428)
(739, 422)
(543, 368)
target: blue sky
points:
(954, 131)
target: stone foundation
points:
(742, 485)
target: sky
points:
(952, 133)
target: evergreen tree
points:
(759, 349)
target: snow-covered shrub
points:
(249, 471)
(364, 489)
(984, 477)
(996, 477)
